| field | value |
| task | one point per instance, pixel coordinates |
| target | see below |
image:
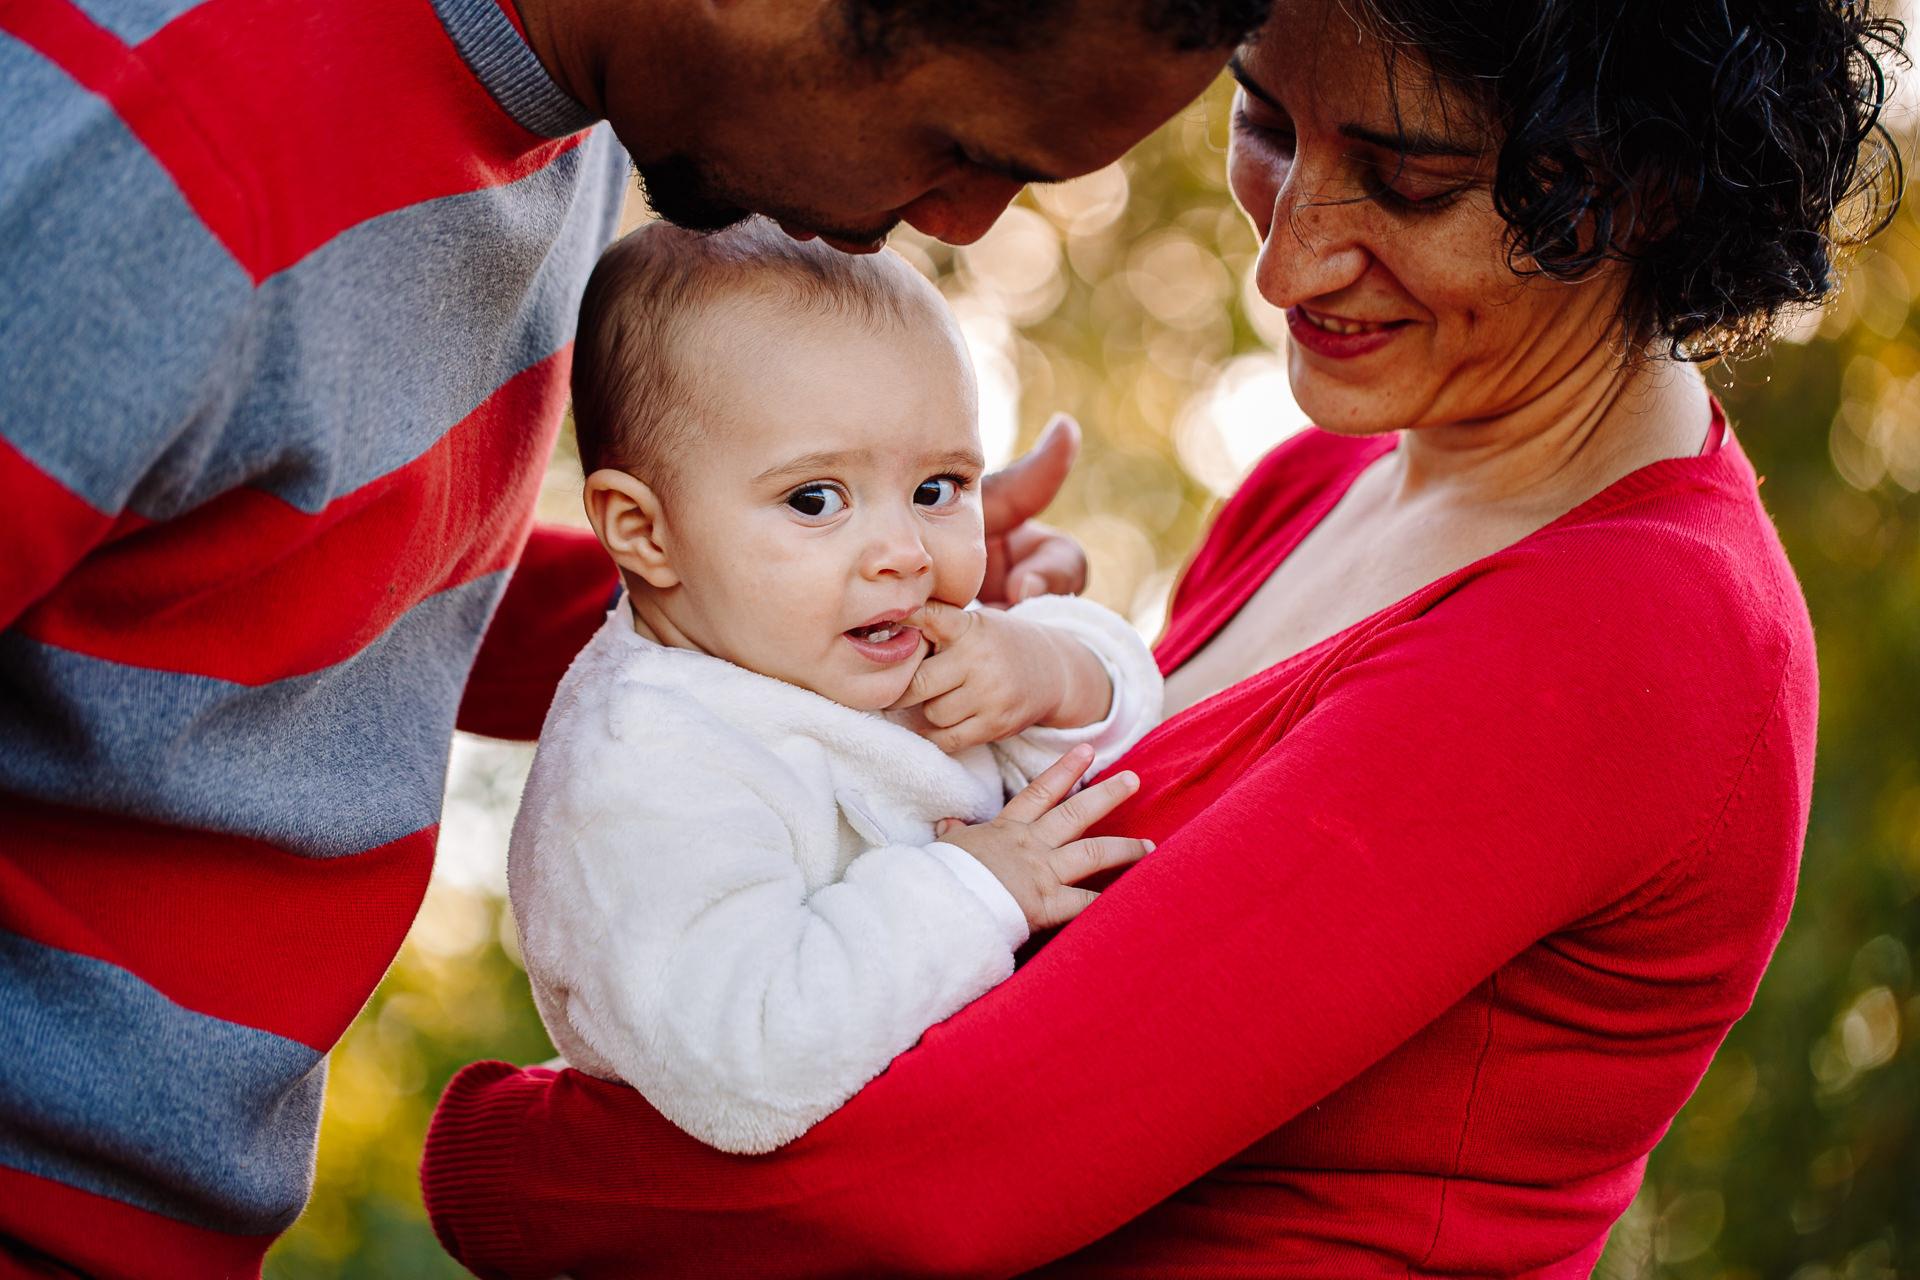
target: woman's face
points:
(1380, 240)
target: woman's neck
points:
(1585, 430)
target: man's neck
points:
(639, 65)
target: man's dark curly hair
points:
(878, 30)
(1724, 150)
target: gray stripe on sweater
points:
(134, 20)
(335, 372)
(120, 313)
(323, 765)
(108, 1086)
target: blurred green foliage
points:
(1121, 299)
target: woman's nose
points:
(1315, 244)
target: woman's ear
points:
(628, 518)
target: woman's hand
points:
(1024, 557)
(992, 675)
(1034, 847)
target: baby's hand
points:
(991, 676)
(1034, 846)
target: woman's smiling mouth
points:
(1338, 336)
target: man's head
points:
(782, 452)
(841, 118)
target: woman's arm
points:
(559, 594)
(1461, 786)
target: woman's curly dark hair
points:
(1724, 150)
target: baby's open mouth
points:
(875, 634)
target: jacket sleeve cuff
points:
(467, 1169)
(986, 886)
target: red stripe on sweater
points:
(233, 928)
(108, 1240)
(241, 101)
(48, 529)
(321, 152)
(250, 589)
(101, 64)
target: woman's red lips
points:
(1339, 337)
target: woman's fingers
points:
(1074, 815)
(1050, 788)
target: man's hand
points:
(1034, 847)
(1026, 558)
(992, 675)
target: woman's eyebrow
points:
(1412, 145)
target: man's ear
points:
(631, 524)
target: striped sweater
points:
(287, 293)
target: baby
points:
(740, 886)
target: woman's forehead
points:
(1320, 59)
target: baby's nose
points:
(899, 553)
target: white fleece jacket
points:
(727, 887)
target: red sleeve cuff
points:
(466, 1171)
(558, 597)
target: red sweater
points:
(1448, 916)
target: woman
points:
(1479, 813)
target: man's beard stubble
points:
(677, 190)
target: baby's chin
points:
(874, 692)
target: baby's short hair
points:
(635, 399)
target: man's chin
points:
(844, 241)
(675, 189)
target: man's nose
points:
(961, 210)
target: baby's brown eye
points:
(937, 492)
(817, 501)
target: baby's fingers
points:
(1052, 786)
(1074, 862)
(969, 732)
(1074, 815)
(934, 677)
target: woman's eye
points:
(817, 500)
(937, 492)
(1271, 133)
(1397, 193)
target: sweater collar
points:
(499, 56)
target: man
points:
(283, 349)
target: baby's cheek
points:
(960, 566)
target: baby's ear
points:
(631, 524)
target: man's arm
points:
(119, 315)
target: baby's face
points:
(834, 491)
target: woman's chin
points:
(1348, 412)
